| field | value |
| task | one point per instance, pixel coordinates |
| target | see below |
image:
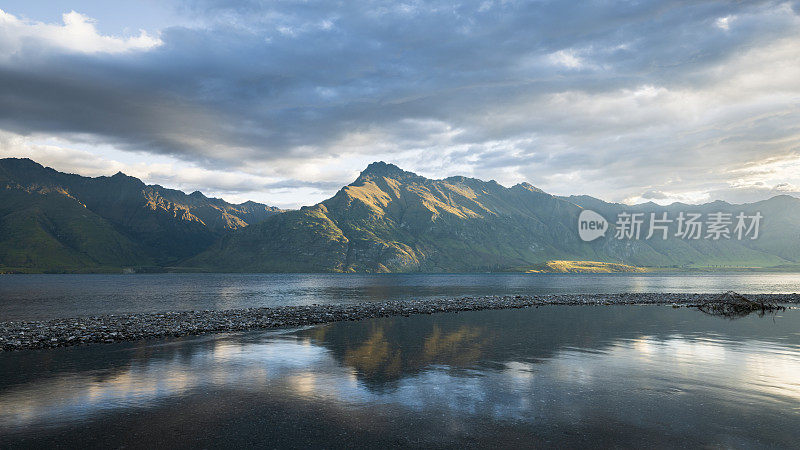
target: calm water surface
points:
(29, 297)
(560, 376)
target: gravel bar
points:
(129, 327)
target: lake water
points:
(30, 297)
(627, 376)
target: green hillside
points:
(53, 221)
(43, 231)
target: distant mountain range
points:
(387, 220)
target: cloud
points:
(724, 22)
(611, 99)
(654, 195)
(233, 185)
(67, 159)
(566, 58)
(76, 34)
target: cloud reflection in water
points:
(454, 369)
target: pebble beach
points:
(20, 335)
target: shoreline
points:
(787, 268)
(40, 334)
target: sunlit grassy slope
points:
(582, 267)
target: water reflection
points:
(384, 354)
(555, 375)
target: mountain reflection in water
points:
(553, 375)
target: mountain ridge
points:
(157, 225)
(386, 220)
(391, 220)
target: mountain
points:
(391, 220)
(47, 230)
(387, 220)
(53, 221)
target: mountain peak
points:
(528, 187)
(383, 169)
(121, 178)
(17, 163)
(20, 160)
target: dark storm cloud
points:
(262, 81)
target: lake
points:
(33, 297)
(627, 376)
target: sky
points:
(284, 102)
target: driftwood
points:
(733, 306)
